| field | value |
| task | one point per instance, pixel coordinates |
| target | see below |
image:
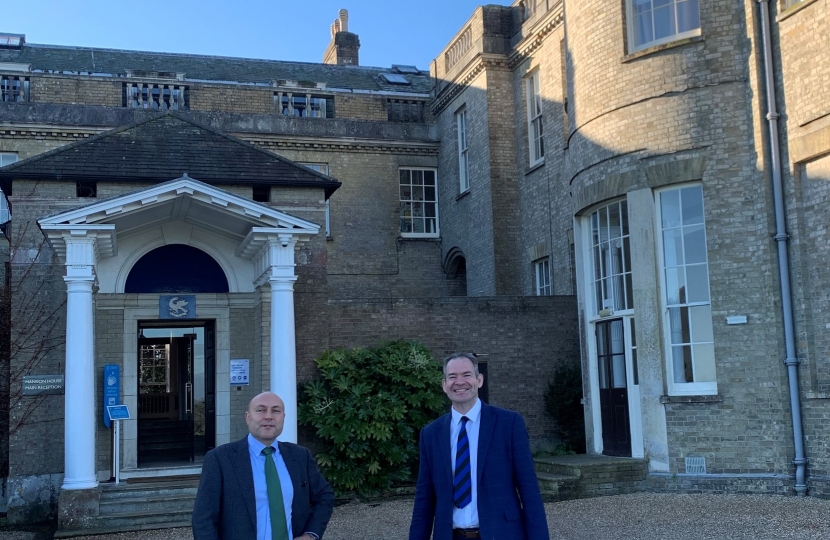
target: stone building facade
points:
(643, 192)
(623, 152)
(301, 203)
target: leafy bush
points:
(367, 410)
(563, 402)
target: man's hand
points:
(306, 536)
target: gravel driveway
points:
(644, 516)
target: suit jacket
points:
(509, 501)
(225, 506)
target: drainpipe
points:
(782, 239)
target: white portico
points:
(100, 243)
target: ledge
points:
(535, 166)
(792, 10)
(462, 194)
(717, 398)
(662, 47)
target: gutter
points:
(782, 239)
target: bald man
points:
(254, 489)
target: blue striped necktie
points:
(462, 486)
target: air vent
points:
(695, 465)
(394, 78)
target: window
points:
(86, 189)
(304, 105)
(5, 212)
(652, 22)
(405, 110)
(685, 280)
(419, 203)
(463, 158)
(262, 193)
(611, 254)
(14, 89)
(542, 271)
(324, 169)
(535, 140)
(160, 96)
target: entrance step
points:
(589, 475)
(142, 506)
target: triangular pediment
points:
(184, 199)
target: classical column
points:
(281, 277)
(79, 417)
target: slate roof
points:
(115, 63)
(161, 148)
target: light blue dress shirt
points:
(263, 514)
(467, 517)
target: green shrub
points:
(563, 401)
(368, 409)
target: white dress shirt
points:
(263, 511)
(467, 517)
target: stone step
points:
(121, 529)
(145, 490)
(157, 504)
(552, 466)
(138, 520)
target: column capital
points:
(272, 252)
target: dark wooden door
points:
(613, 389)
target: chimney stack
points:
(344, 46)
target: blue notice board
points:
(118, 412)
(112, 389)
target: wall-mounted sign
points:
(180, 306)
(118, 412)
(239, 373)
(34, 385)
(112, 389)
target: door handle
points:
(188, 398)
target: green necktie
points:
(279, 527)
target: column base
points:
(78, 508)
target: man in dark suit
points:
(476, 478)
(253, 489)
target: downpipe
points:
(782, 239)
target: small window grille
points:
(86, 189)
(405, 110)
(156, 96)
(303, 105)
(695, 465)
(14, 89)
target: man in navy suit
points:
(476, 478)
(238, 501)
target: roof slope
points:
(116, 63)
(165, 147)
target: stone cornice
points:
(520, 53)
(541, 31)
(277, 142)
(473, 70)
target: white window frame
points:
(673, 5)
(609, 256)
(415, 204)
(535, 127)
(543, 283)
(677, 388)
(463, 151)
(324, 169)
(6, 158)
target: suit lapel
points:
(445, 457)
(485, 437)
(293, 466)
(245, 476)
